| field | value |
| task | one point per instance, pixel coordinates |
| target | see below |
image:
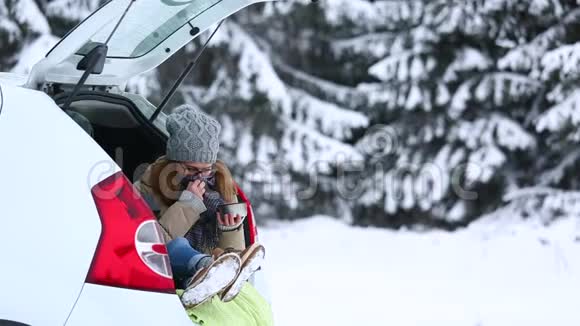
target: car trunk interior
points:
(120, 129)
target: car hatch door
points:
(149, 34)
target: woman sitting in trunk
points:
(185, 188)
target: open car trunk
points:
(135, 36)
(139, 36)
(121, 129)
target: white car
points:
(79, 247)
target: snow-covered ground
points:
(324, 272)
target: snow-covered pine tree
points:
(550, 57)
(21, 23)
(30, 28)
(459, 120)
(63, 15)
(559, 121)
(275, 135)
(282, 140)
(432, 95)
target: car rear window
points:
(146, 25)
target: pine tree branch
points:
(526, 57)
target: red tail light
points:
(131, 252)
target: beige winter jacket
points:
(178, 218)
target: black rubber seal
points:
(113, 99)
(4, 322)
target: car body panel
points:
(49, 224)
(151, 32)
(13, 79)
(99, 305)
(1, 99)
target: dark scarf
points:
(204, 235)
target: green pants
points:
(247, 309)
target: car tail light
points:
(131, 252)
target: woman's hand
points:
(229, 220)
(197, 187)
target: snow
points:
(8, 27)
(555, 174)
(498, 89)
(228, 135)
(458, 212)
(414, 98)
(305, 148)
(340, 94)
(443, 95)
(375, 45)
(72, 9)
(467, 59)
(534, 7)
(564, 61)
(27, 12)
(526, 56)
(506, 87)
(34, 53)
(460, 18)
(354, 10)
(145, 84)
(8, 78)
(561, 115)
(460, 99)
(412, 185)
(368, 13)
(495, 129)
(245, 152)
(511, 135)
(483, 163)
(404, 66)
(253, 263)
(334, 121)
(540, 7)
(324, 272)
(545, 204)
(222, 273)
(255, 68)
(379, 140)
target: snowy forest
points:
(424, 113)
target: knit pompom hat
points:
(193, 136)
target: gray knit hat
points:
(193, 136)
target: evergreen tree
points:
(278, 135)
(461, 120)
(386, 112)
(21, 22)
(549, 57)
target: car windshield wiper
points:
(94, 60)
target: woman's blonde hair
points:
(165, 183)
(225, 184)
